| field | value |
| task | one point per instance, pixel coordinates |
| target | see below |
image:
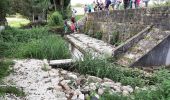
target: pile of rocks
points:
(78, 86)
(39, 81)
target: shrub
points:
(56, 19)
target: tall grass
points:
(103, 68)
(32, 43)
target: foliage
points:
(34, 43)
(79, 17)
(160, 91)
(98, 35)
(56, 19)
(29, 8)
(17, 22)
(115, 39)
(4, 68)
(4, 9)
(5, 71)
(11, 90)
(102, 68)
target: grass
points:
(78, 17)
(157, 85)
(17, 22)
(32, 43)
(103, 68)
(5, 71)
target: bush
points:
(56, 19)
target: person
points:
(126, 4)
(107, 2)
(85, 9)
(137, 2)
(65, 27)
(72, 27)
(94, 6)
(118, 2)
(89, 8)
(73, 15)
(146, 2)
(113, 3)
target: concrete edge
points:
(130, 42)
(133, 64)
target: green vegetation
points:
(158, 92)
(103, 68)
(17, 22)
(56, 19)
(34, 43)
(5, 71)
(78, 17)
(115, 39)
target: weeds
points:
(34, 43)
(5, 71)
(102, 68)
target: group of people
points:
(136, 3)
(71, 25)
(115, 4)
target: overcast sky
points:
(73, 2)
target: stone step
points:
(82, 47)
(97, 45)
(151, 39)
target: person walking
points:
(118, 2)
(113, 3)
(126, 4)
(146, 2)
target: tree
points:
(4, 8)
(63, 6)
(32, 9)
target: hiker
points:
(146, 2)
(126, 4)
(73, 15)
(107, 3)
(73, 27)
(85, 9)
(137, 2)
(113, 3)
(65, 26)
(94, 6)
(118, 2)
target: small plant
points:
(5, 71)
(98, 35)
(115, 39)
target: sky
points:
(73, 2)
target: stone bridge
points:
(135, 37)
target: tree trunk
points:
(55, 6)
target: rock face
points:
(58, 84)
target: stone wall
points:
(126, 22)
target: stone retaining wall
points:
(127, 22)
